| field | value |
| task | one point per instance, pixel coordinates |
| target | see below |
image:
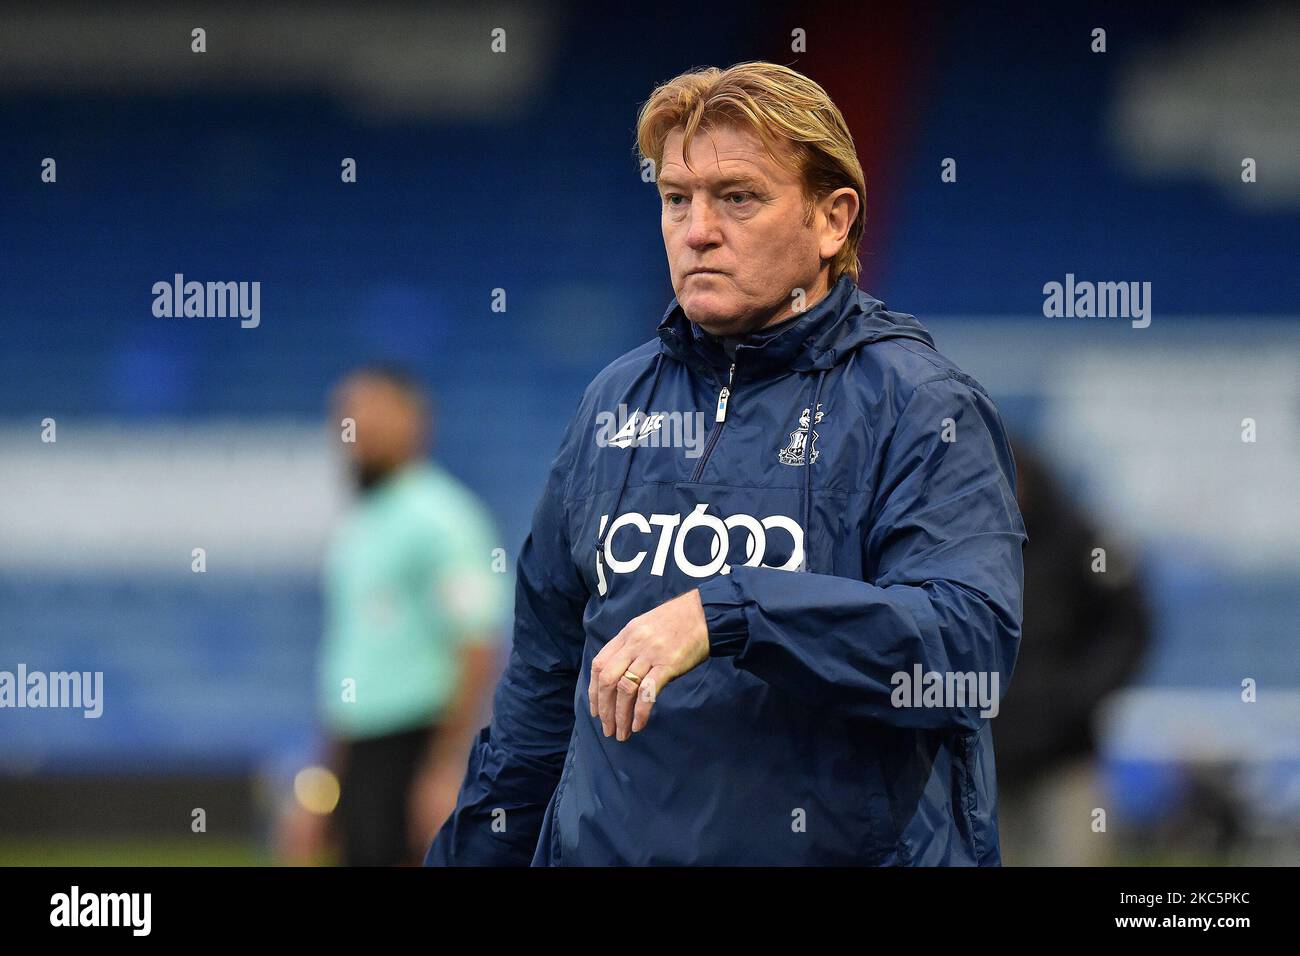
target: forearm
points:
(839, 643)
(513, 768)
(450, 743)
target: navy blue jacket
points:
(852, 516)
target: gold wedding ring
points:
(632, 677)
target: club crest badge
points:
(801, 440)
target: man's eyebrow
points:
(750, 182)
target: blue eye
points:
(745, 197)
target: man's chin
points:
(715, 317)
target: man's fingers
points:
(627, 696)
(598, 665)
(591, 685)
(607, 695)
(651, 684)
(611, 672)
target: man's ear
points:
(840, 209)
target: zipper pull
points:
(724, 395)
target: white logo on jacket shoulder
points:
(799, 442)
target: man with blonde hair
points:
(783, 650)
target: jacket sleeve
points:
(944, 576)
(516, 761)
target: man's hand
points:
(658, 646)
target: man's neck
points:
(371, 478)
(810, 299)
(786, 317)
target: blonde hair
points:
(784, 109)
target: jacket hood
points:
(826, 335)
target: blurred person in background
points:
(414, 611)
(1085, 633)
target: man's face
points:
(388, 425)
(740, 216)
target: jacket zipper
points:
(720, 420)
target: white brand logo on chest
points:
(673, 531)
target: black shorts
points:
(374, 789)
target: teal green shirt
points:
(413, 573)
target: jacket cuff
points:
(724, 613)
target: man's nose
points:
(704, 230)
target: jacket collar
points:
(792, 346)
